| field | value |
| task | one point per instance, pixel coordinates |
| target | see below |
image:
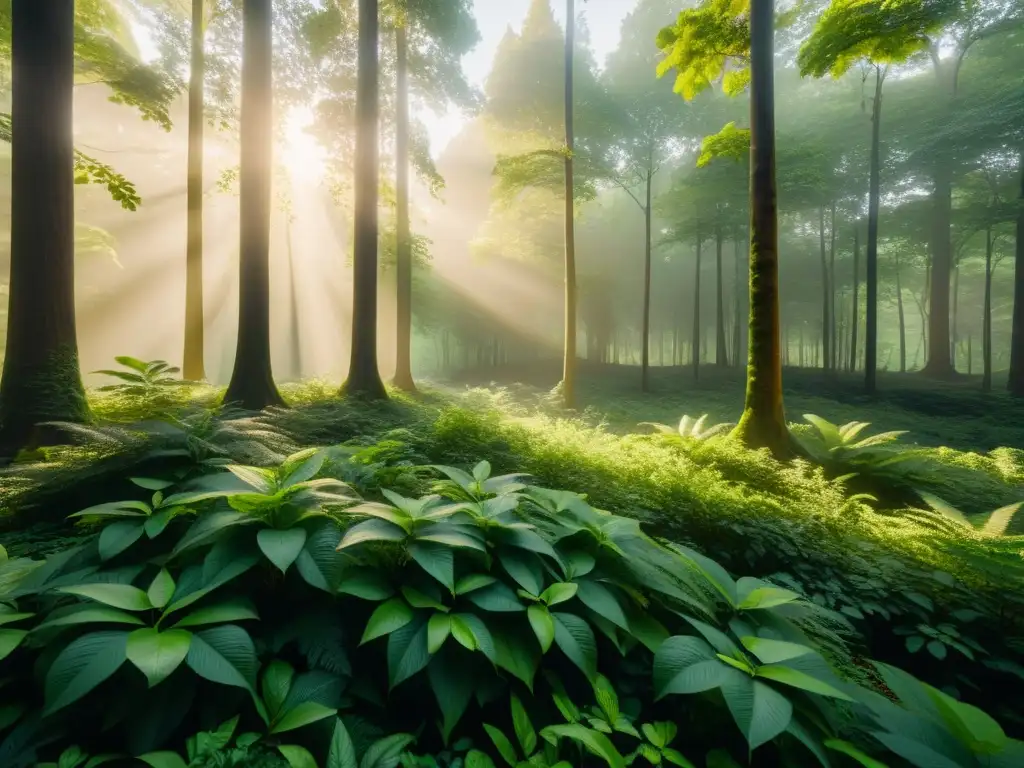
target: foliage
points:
(691, 428)
(141, 378)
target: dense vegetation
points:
(215, 567)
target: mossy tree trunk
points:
(569, 352)
(41, 379)
(193, 367)
(363, 375)
(403, 275)
(721, 347)
(252, 380)
(1015, 382)
(763, 423)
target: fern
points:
(690, 428)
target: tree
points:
(1015, 384)
(41, 380)
(569, 352)
(252, 380)
(403, 245)
(193, 367)
(363, 375)
(699, 45)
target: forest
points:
(535, 383)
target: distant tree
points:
(252, 380)
(569, 350)
(193, 366)
(41, 380)
(1016, 378)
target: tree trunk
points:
(569, 361)
(696, 313)
(826, 311)
(954, 333)
(363, 375)
(854, 328)
(986, 320)
(874, 185)
(41, 380)
(1015, 382)
(193, 368)
(833, 362)
(403, 248)
(252, 380)
(645, 358)
(721, 349)
(763, 423)
(939, 363)
(738, 288)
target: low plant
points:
(690, 428)
(141, 378)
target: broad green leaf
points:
(502, 744)
(756, 594)
(798, 679)
(158, 521)
(296, 756)
(686, 664)
(436, 559)
(576, 640)
(386, 752)
(773, 651)
(462, 632)
(342, 753)
(477, 759)
(676, 758)
(439, 627)
(158, 654)
(407, 652)
(522, 727)
(498, 597)
(848, 749)
(88, 613)
(318, 562)
(366, 583)
(517, 653)
(116, 509)
(603, 602)
(151, 483)
(115, 538)
(121, 596)
(237, 609)
(281, 547)
(607, 699)
(558, 593)
(388, 617)
(453, 689)
(543, 626)
(761, 712)
(85, 663)
(276, 683)
(473, 582)
(595, 742)
(12, 618)
(371, 531)
(915, 752)
(161, 590)
(302, 715)
(970, 724)
(418, 599)
(220, 567)
(260, 479)
(524, 567)
(163, 760)
(10, 639)
(306, 470)
(481, 472)
(224, 655)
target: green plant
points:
(690, 428)
(141, 378)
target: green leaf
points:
(407, 652)
(453, 689)
(157, 654)
(302, 715)
(603, 602)
(522, 727)
(161, 590)
(676, 758)
(761, 712)
(543, 626)
(388, 617)
(366, 583)
(318, 562)
(296, 756)
(282, 547)
(157, 522)
(478, 759)
(473, 582)
(773, 651)
(115, 538)
(151, 483)
(524, 568)
(502, 744)
(517, 653)
(307, 470)
(498, 598)
(576, 640)
(342, 753)
(607, 698)
(122, 596)
(850, 750)
(802, 680)
(12, 618)
(462, 632)
(88, 613)
(436, 559)
(85, 663)
(371, 531)
(595, 742)
(224, 655)
(418, 599)
(558, 593)
(277, 682)
(756, 594)
(10, 639)
(237, 609)
(685, 664)
(163, 760)
(438, 628)
(385, 753)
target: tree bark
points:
(986, 321)
(826, 311)
(193, 368)
(569, 360)
(832, 312)
(252, 380)
(954, 332)
(363, 375)
(721, 348)
(1015, 382)
(855, 327)
(403, 248)
(645, 359)
(874, 186)
(738, 288)
(763, 423)
(41, 380)
(939, 362)
(696, 313)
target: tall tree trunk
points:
(645, 358)
(363, 375)
(1015, 382)
(569, 361)
(986, 320)
(721, 348)
(940, 363)
(738, 290)
(41, 379)
(800, 351)
(954, 333)
(252, 380)
(832, 323)
(874, 193)
(193, 368)
(696, 313)
(403, 248)
(763, 423)
(826, 304)
(854, 328)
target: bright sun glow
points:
(301, 154)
